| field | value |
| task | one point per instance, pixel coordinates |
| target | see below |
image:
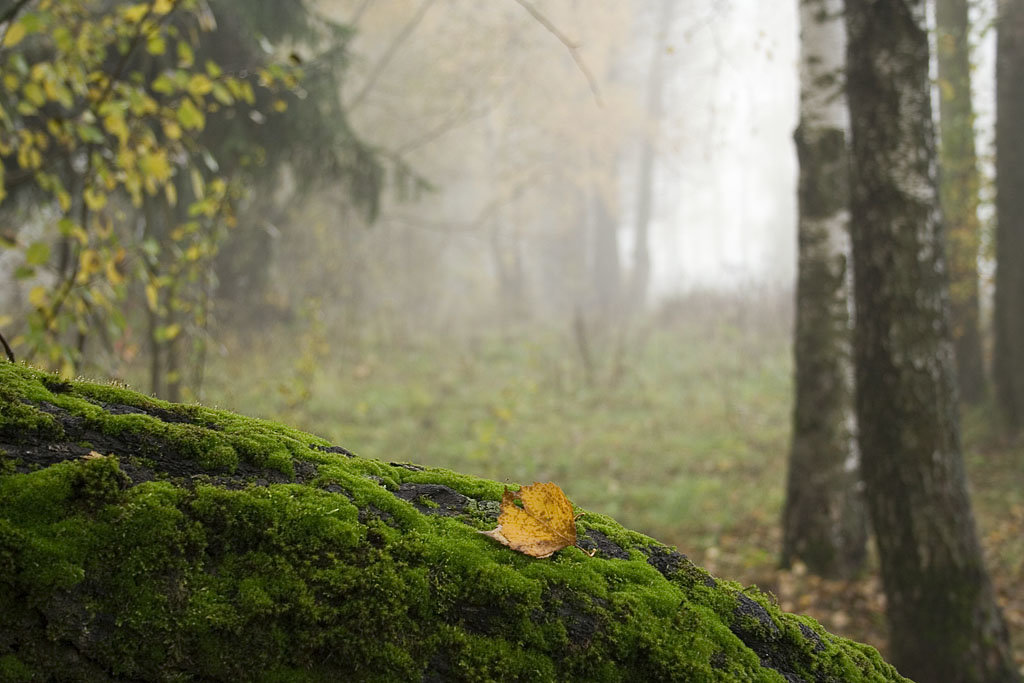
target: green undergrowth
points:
(687, 443)
(105, 577)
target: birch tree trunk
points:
(944, 622)
(824, 521)
(1009, 304)
(958, 192)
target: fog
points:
(531, 240)
(724, 177)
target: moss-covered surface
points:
(150, 541)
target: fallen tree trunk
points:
(151, 541)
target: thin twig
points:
(9, 16)
(13, 10)
(354, 19)
(371, 80)
(572, 47)
(7, 348)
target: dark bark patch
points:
(341, 450)
(750, 608)
(815, 639)
(161, 414)
(408, 466)
(434, 499)
(671, 562)
(753, 625)
(605, 546)
(664, 560)
(56, 385)
(142, 456)
(336, 488)
(581, 621)
(439, 669)
(373, 513)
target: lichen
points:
(199, 544)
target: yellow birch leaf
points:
(14, 34)
(172, 130)
(37, 296)
(135, 13)
(152, 296)
(542, 526)
(114, 277)
(94, 199)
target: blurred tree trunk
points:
(507, 255)
(605, 264)
(641, 273)
(943, 618)
(1009, 303)
(824, 521)
(958, 192)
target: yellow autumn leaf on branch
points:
(542, 526)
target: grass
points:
(688, 446)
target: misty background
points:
(436, 250)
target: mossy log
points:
(144, 540)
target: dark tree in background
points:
(824, 521)
(958, 192)
(1009, 300)
(303, 144)
(945, 625)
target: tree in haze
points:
(640, 276)
(958, 191)
(148, 131)
(944, 622)
(1008, 363)
(92, 133)
(824, 521)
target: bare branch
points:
(13, 10)
(379, 67)
(571, 46)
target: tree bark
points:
(944, 622)
(958, 192)
(1008, 363)
(824, 520)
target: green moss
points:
(99, 481)
(157, 581)
(19, 421)
(14, 670)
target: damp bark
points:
(945, 624)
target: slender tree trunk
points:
(958, 192)
(641, 273)
(944, 622)
(824, 521)
(605, 265)
(1009, 303)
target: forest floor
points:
(681, 432)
